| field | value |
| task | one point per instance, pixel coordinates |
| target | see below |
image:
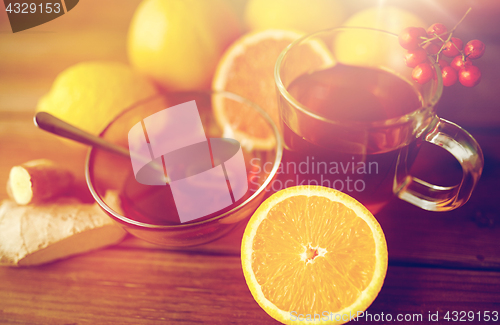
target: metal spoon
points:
(52, 124)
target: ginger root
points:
(38, 181)
(37, 234)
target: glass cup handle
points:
(465, 149)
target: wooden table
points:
(438, 262)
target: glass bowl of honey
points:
(212, 200)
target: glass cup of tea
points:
(354, 118)
(149, 210)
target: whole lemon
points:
(302, 15)
(366, 48)
(90, 94)
(179, 42)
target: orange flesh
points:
(252, 76)
(315, 266)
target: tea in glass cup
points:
(357, 121)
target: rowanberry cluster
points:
(437, 42)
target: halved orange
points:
(313, 255)
(247, 69)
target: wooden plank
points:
(420, 290)
(453, 238)
(127, 286)
(467, 237)
(137, 286)
(140, 283)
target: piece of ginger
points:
(37, 234)
(37, 181)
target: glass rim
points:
(138, 224)
(392, 121)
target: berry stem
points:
(448, 39)
(460, 21)
(430, 39)
(444, 43)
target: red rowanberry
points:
(452, 47)
(431, 48)
(469, 76)
(449, 75)
(414, 57)
(457, 63)
(422, 73)
(442, 63)
(411, 37)
(437, 29)
(474, 49)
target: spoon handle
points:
(52, 124)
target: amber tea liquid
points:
(336, 156)
(156, 205)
